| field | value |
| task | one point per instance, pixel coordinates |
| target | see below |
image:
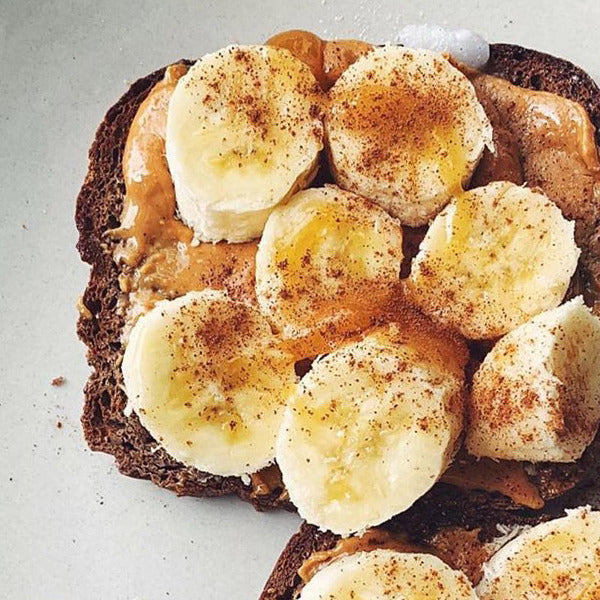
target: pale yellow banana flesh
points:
(388, 575)
(329, 261)
(209, 381)
(370, 429)
(492, 259)
(536, 397)
(558, 560)
(243, 133)
(405, 129)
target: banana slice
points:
(406, 130)
(243, 132)
(492, 259)
(558, 560)
(536, 397)
(327, 261)
(207, 379)
(388, 575)
(372, 426)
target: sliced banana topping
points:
(492, 259)
(243, 132)
(536, 397)
(388, 575)
(406, 130)
(558, 560)
(328, 261)
(208, 380)
(372, 426)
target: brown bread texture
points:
(105, 425)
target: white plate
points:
(71, 527)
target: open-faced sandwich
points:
(555, 560)
(355, 281)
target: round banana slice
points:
(327, 261)
(388, 575)
(406, 130)
(208, 380)
(558, 560)
(371, 427)
(492, 259)
(536, 396)
(243, 132)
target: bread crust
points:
(98, 209)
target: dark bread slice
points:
(99, 204)
(444, 507)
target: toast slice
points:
(108, 429)
(467, 523)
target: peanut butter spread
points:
(158, 258)
(553, 140)
(370, 540)
(541, 139)
(505, 477)
(459, 548)
(326, 59)
(267, 481)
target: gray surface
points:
(70, 526)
